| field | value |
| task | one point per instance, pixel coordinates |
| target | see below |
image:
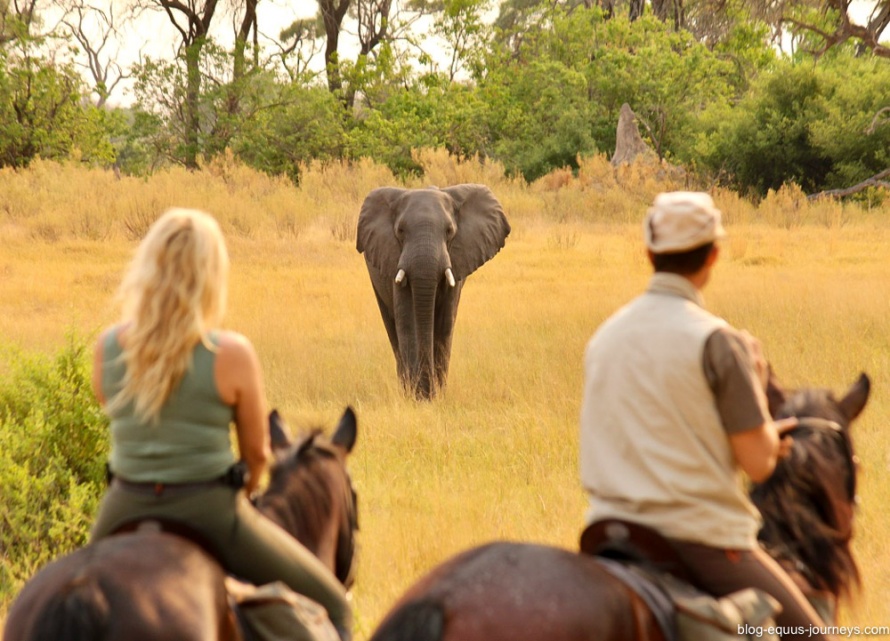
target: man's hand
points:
(783, 427)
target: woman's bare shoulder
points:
(233, 345)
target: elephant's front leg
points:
(384, 292)
(446, 315)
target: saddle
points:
(270, 612)
(648, 564)
(629, 542)
(169, 526)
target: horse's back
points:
(518, 591)
(72, 597)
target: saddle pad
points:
(274, 612)
(685, 613)
(653, 595)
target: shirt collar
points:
(675, 285)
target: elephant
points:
(420, 245)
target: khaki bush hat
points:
(679, 221)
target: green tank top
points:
(189, 443)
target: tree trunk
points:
(332, 14)
(192, 103)
(875, 181)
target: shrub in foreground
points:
(53, 443)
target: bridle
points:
(839, 435)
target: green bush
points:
(811, 125)
(53, 444)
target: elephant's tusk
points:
(400, 277)
(449, 275)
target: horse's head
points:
(310, 493)
(808, 503)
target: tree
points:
(94, 28)
(852, 133)
(294, 126)
(42, 112)
(597, 65)
(332, 13)
(767, 140)
(376, 24)
(192, 19)
(16, 19)
(300, 38)
(461, 26)
(424, 116)
(829, 24)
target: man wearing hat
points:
(674, 405)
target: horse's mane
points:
(806, 512)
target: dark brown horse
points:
(808, 503)
(525, 592)
(153, 585)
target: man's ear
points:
(713, 255)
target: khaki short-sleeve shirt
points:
(741, 399)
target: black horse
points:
(523, 592)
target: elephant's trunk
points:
(422, 374)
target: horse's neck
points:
(302, 515)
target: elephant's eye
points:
(451, 230)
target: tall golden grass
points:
(496, 455)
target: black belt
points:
(234, 477)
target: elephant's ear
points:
(375, 236)
(482, 228)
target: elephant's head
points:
(420, 245)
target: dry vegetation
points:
(496, 457)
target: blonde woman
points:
(172, 382)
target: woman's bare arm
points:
(239, 380)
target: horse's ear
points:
(856, 397)
(775, 395)
(278, 432)
(347, 430)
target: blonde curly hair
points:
(173, 294)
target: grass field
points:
(496, 456)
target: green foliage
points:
(854, 90)
(295, 126)
(558, 94)
(801, 124)
(422, 117)
(460, 24)
(191, 106)
(43, 113)
(540, 115)
(141, 143)
(747, 47)
(665, 76)
(53, 443)
(159, 124)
